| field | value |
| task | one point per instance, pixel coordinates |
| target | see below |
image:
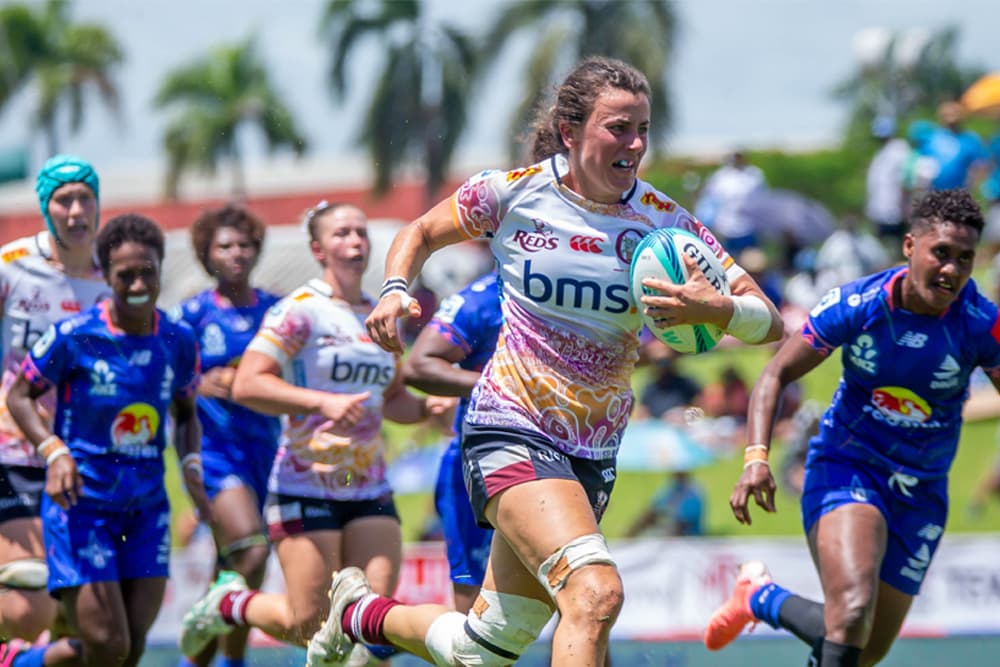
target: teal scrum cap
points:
(57, 172)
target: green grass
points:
(633, 490)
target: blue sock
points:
(381, 651)
(223, 661)
(184, 662)
(766, 601)
(32, 657)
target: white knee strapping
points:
(27, 573)
(255, 540)
(495, 633)
(584, 550)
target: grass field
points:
(633, 490)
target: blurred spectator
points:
(847, 254)
(677, 509)
(669, 394)
(802, 291)
(887, 192)
(960, 155)
(719, 206)
(991, 192)
(728, 396)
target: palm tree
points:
(217, 94)
(903, 73)
(418, 108)
(640, 32)
(62, 58)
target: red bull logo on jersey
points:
(900, 407)
(518, 174)
(134, 429)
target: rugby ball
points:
(658, 255)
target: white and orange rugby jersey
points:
(34, 293)
(569, 340)
(320, 342)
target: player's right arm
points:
(409, 250)
(62, 480)
(795, 358)
(259, 386)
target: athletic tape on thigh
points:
(27, 573)
(257, 539)
(497, 630)
(584, 550)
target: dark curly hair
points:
(954, 206)
(124, 228)
(212, 220)
(575, 100)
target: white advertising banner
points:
(673, 585)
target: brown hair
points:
(312, 215)
(575, 100)
(231, 215)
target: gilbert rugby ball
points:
(658, 255)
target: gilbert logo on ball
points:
(658, 255)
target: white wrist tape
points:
(751, 319)
(398, 285)
(62, 451)
(192, 461)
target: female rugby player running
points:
(545, 420)
(118, 370)
(875, 495)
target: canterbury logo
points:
(586, 243)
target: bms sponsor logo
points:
(361, 372)
(566, 292)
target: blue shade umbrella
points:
(415, 470)
(654, 445)
(777, 212)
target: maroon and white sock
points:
(233, 606)
(363, 620)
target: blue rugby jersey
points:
(905, 376)
(223, 332)
(114, 392)
(470, 319)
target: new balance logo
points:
(916, 565)
(931, 532)
(585, 243)
(902, 483)
(947, 374)
(912, 339)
